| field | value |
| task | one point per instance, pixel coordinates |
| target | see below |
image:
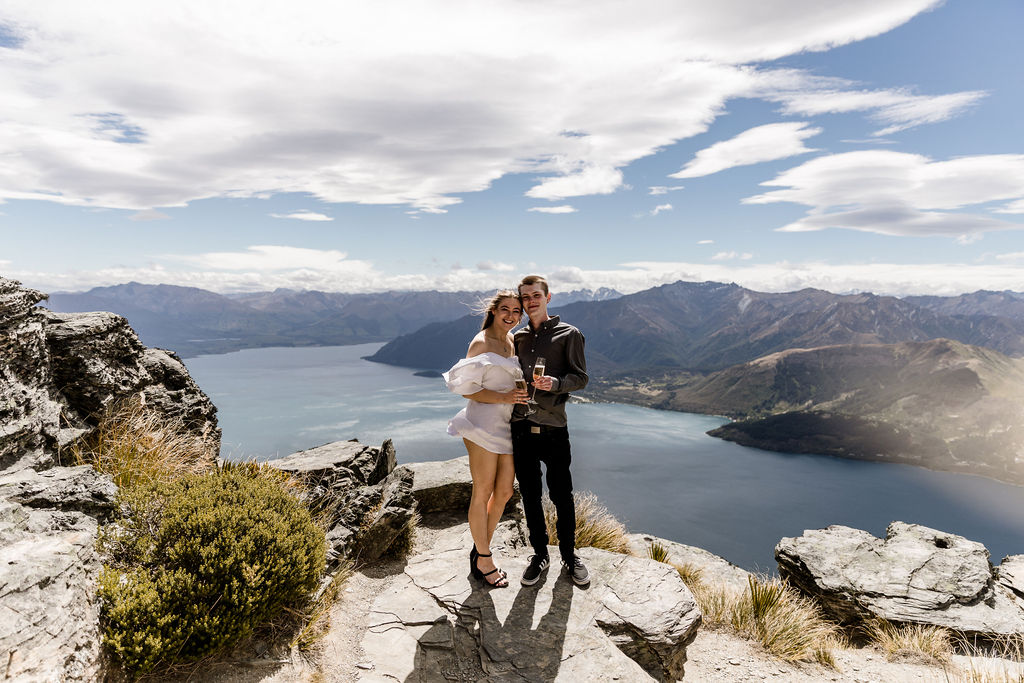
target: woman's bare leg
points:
(483, 467)
(504, 477)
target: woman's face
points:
(507, 313)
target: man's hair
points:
(533, 280)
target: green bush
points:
(205, 561)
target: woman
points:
(486, 376)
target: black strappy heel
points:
(500, 582)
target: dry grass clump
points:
(983, 663)
(315, 620)
(787, 624)
(595, 526)
(138, 446)
(928, 644)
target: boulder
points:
(370, 501)
(371, 518)
(446, 485)
(633, 623)
(49, 616)
(340, 465)
(915, 575)
(79, 488)
(713, 568)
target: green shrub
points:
(205, 561)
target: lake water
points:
(656, 471)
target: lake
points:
(656, 471)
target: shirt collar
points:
(547, 324)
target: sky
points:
(867, 145)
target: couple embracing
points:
(509, 431)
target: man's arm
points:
(575, 377)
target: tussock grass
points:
(595, 526)
(138, 446)
(929, 644)
(657, 552)
(787, 624)
(691, 574)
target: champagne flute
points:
(539, 365)
(521, 386)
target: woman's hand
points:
(518, 396)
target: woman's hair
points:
(488, 306)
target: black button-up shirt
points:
(561, 345)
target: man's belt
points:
(531, 428)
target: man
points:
(542, 436)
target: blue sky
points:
(863, 145)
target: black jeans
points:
(550, 447)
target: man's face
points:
(535, 301)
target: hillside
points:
(703, 327)
(940, 404)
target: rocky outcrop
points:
(58, 374)
(369, 500)
(914, 575)
(436, 623)
(446, 485)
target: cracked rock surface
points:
(914, 575)
(436, 623)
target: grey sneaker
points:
(577, 570)
(533, 570)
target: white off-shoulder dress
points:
(485, 424)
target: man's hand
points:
(544, 382)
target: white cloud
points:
(894, 108)
(1013, 207)
(269, 258)
(753, 146)
(659, 208)
(149, 105)
(495, 265)
(731, 256)
(664, 189)
(895, 193)
(149, 215)
(705, 242)
(564, 208)
(328, 270)
(303, 215)
(1013, 256)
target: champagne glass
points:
(521, 386)
(539, 365)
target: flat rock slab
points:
(915, 575)
(49, 615)
(436, 623)
(446, 485)
(713, 568)
(63, 488)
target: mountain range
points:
(703, 327)
(194, 321)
